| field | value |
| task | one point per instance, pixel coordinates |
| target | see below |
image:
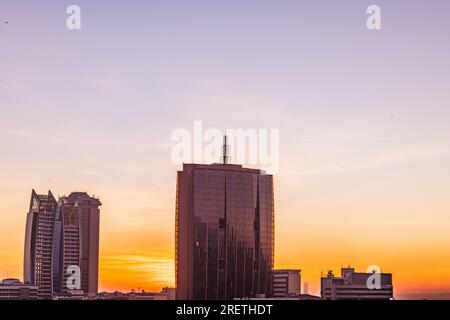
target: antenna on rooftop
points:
(225, 157)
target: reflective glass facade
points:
(224, 232)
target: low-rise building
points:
(356, 286)
(165, 294)
(286, 283)
(14, 289)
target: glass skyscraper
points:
(224, 232)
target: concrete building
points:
(290, 298)
(171, 293)
(224, 232)
(77, 241)
(13, 289)
(356, 286)
(38, 253)
(62, 234)
(286, 283)
(165, 294)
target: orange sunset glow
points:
(363, 120)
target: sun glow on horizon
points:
(363, 119)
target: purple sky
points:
(362, 114)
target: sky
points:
(363, 117)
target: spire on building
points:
(225, 156)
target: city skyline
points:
(363, 118)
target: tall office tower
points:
(354, 286)
(76, 241)
(38, 242)
(224, 232)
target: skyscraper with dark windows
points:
(62, 234)
(38, 263)
(224, 232)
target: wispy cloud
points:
(400, 156)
